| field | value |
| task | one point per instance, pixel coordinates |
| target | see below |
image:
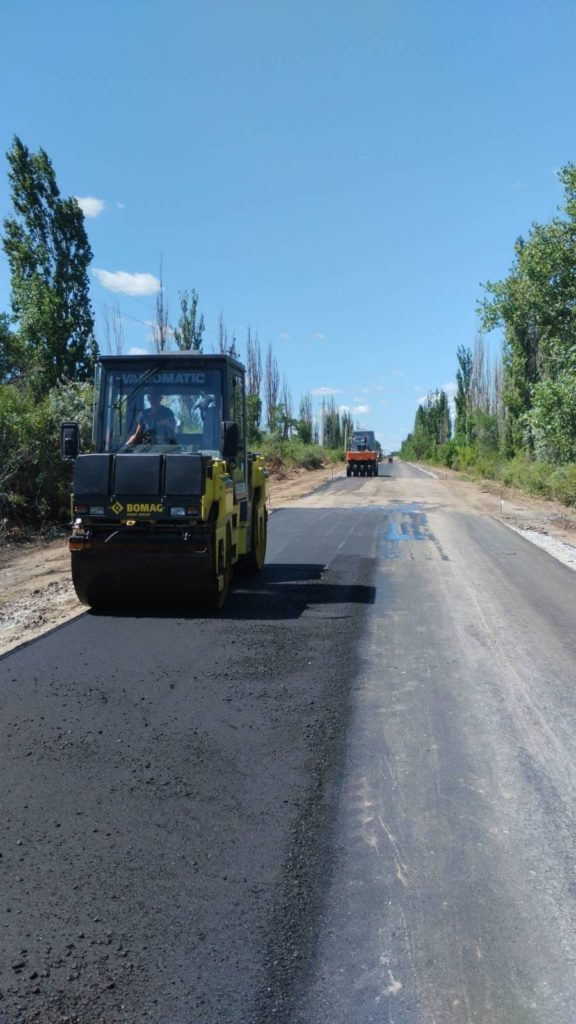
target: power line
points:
(145, 323)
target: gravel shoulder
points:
(37, 593)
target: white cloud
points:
(128, 284)
(326, 391)
(155, 333)
(90, 206)
(343, 409)
(285, 337)
(366, 391)
(318, 336)
(360, 410)
(135, 351)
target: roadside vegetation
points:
(515, 417)
(49, 349)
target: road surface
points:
(349, 798)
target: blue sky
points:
(342, 176)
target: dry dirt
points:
(37, 593)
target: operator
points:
(156, 425)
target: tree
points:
(305, 421)
(480, 380)
(12, 356)
(462, 397)
(553, 418)
(347, 427)
(286, 416)
(332, 436)
(189, 331)
(432, 427)
(271, 386)
(253, 364)
(224, 344)
(161, 328)
(253, 385)
(536, 306)
(48, 255)
(113, 328)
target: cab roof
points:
(211, 359)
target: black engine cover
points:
(137, 474)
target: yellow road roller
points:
(170, 500)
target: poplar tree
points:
(254, 384)
(462, 397)
(189, 332)
(305, 423)
(48, 254)
(271, 388)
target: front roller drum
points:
(130, 580)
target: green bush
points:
(284, 455)
(487, 466)
(446, 453)
(33, 477)
(528, 475)
(464, 458)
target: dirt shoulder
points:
(37, 593)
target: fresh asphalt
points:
(348, 798)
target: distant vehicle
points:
(362, 456)
(390, 458)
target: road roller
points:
(168, 502)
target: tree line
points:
(48, 347)
(522, 405)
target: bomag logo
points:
(117, 508)
(144, 507)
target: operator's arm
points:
(138, 434)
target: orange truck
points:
(362, 454)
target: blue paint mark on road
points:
(405, 523)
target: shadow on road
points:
(286, 591)
(280, 591)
